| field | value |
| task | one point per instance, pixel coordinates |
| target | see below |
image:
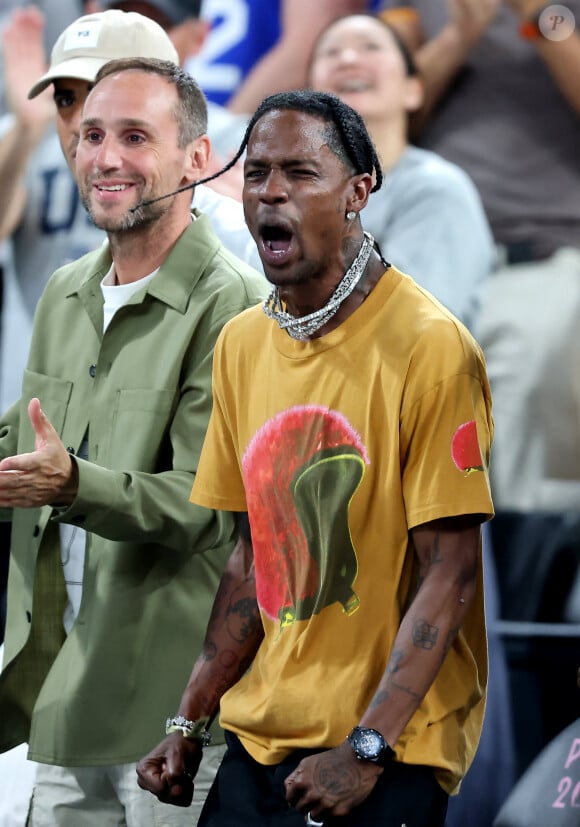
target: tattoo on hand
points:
(333, 780)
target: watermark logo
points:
(556, 22)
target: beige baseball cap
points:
(93, 40)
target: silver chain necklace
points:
(304, 326)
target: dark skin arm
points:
(233, 637)
(334, 782)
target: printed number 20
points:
(564, 787)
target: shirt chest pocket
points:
(54, 395)
(140, 433)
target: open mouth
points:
(353, 85)
(276, 244)
(276, 239)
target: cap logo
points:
(82, 36)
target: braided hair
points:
(346, 132)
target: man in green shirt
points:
(99, 455)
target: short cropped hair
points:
(191, 111)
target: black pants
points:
(250, 794)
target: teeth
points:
(354, 86)
(276, 252)
(116, 188)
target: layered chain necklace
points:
(304, 326)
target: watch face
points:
(367, 743)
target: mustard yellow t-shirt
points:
(336, 447)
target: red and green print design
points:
(465, 448)
(301, 470)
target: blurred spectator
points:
(257, 47)
(188, 32)
(58, 16)
(502, 101)
(40, 210)
(427, 217)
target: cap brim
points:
(79, 68)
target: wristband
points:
(399, 14)
(530, 29)
(192, 730)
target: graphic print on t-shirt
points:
(465, 450)
(301, 471)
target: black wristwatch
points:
(369, 745)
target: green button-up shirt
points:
(141, 393)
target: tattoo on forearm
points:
(209, 650)
(435, 557)
(406, 689)
(381, 695)
(424, 635)
(242, 616)
(394, 661)
(221, 601)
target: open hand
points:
(526, 9)
(45, 476)
(24, 63)
(472, 17)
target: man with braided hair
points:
(351, 422)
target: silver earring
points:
(350, 215)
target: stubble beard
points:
(132, 219)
